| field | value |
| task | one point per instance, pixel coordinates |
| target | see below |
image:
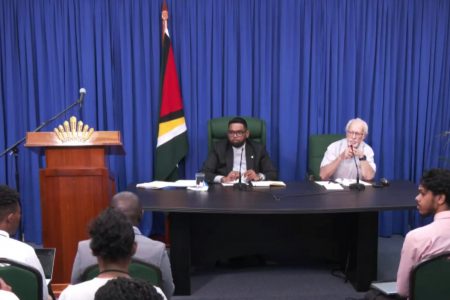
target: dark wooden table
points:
(225, 222)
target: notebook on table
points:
(386, 287)
(47, 258)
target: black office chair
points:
(218, 128)
(137, 269)
(430, 279)
(25, 281)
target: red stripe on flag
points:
(171, 95)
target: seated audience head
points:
(123, 288)
(10, 211)
(434, 192)
(356, 131)
(112, 238)
(128, 203)
(237, 131)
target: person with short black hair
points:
(148, 250)
(127, 289)
(112, 242)
(427, 241)
(229, 158)
(10, 215)
(434, 238)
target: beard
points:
(237, 144)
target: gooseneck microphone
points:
(240, 185)
(82, 94)
(356, 186)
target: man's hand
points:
(251, 175)
(358, 153)
(232, 176)
(347, 153)
(350, 152)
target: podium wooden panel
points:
(75, 186)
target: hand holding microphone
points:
(347, 153)
(357, 152)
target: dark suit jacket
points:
(220, 160)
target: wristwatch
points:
(363, 158)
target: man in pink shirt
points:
(434, 238)
(427, 241)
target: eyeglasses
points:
(236, 133)
(358, 134)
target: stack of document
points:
(163, 184)
(339, 183)
(268, 183)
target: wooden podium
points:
(75, 186)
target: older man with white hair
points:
(339, 159)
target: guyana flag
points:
(172, 143)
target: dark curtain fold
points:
(305, 67)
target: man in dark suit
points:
(238, 153)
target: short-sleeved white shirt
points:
(347, 168)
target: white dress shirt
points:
(4, 295)
(23, 253)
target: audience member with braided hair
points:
(148, 250)
(112, 242)
(127, 289)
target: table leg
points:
(180, 252)
(364, 251)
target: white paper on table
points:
(184, 183)
(332, 186)
(231, 183)
(163, 184)
(203, 188)
(154, 184)
(347, 182)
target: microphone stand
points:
(14, 150)
(240, 185)
(356, 186)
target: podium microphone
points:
(356, 186)
(240, 185)
(82, 94)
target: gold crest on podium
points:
(71, 131)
